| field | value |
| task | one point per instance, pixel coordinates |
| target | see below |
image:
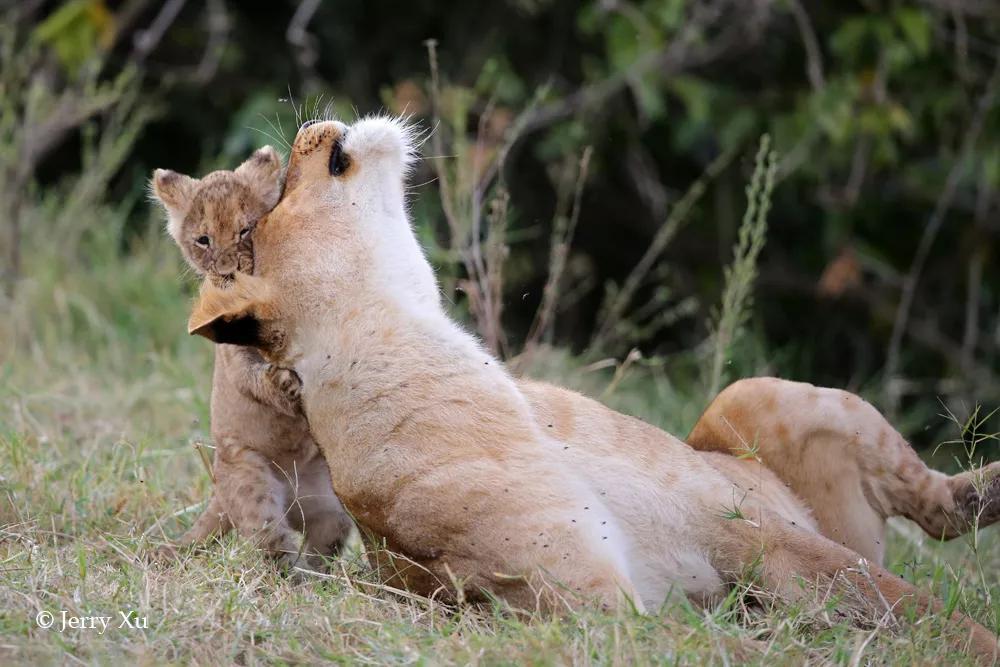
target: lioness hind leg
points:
(842, 457)
(793, 563)
(975, 501)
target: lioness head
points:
(339, 236)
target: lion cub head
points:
(211, 218)
(339, 235)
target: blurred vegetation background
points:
(583, 192)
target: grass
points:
(102, 396)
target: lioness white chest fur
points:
(482, 484)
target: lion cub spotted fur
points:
(270, 479)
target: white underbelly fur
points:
(646, 526)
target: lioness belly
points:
(666, 497)
(659, 518)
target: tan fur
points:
(848, 464)
(211, 219)
(271, 481)
(466, 483)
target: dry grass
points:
(101, 395)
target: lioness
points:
(464, 482)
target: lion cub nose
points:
(225, 266)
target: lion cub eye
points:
(244, 232)
(203, 241)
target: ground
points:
(101, 398)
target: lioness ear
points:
(175, 192)
(237, 315)
(262, 170)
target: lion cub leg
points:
(842, 457)
(256, 499)
(213, 521)
(279, 388)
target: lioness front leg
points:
(317, 512)
(256, 499)
(841, 456)
(551, 546)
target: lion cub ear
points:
(236, 315)
(262, 171)
(174, 192)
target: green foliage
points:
(737, 295)
(78, 31)
(867, 106)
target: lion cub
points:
(270, 478)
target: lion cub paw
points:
(286, 382)
(162, 554)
